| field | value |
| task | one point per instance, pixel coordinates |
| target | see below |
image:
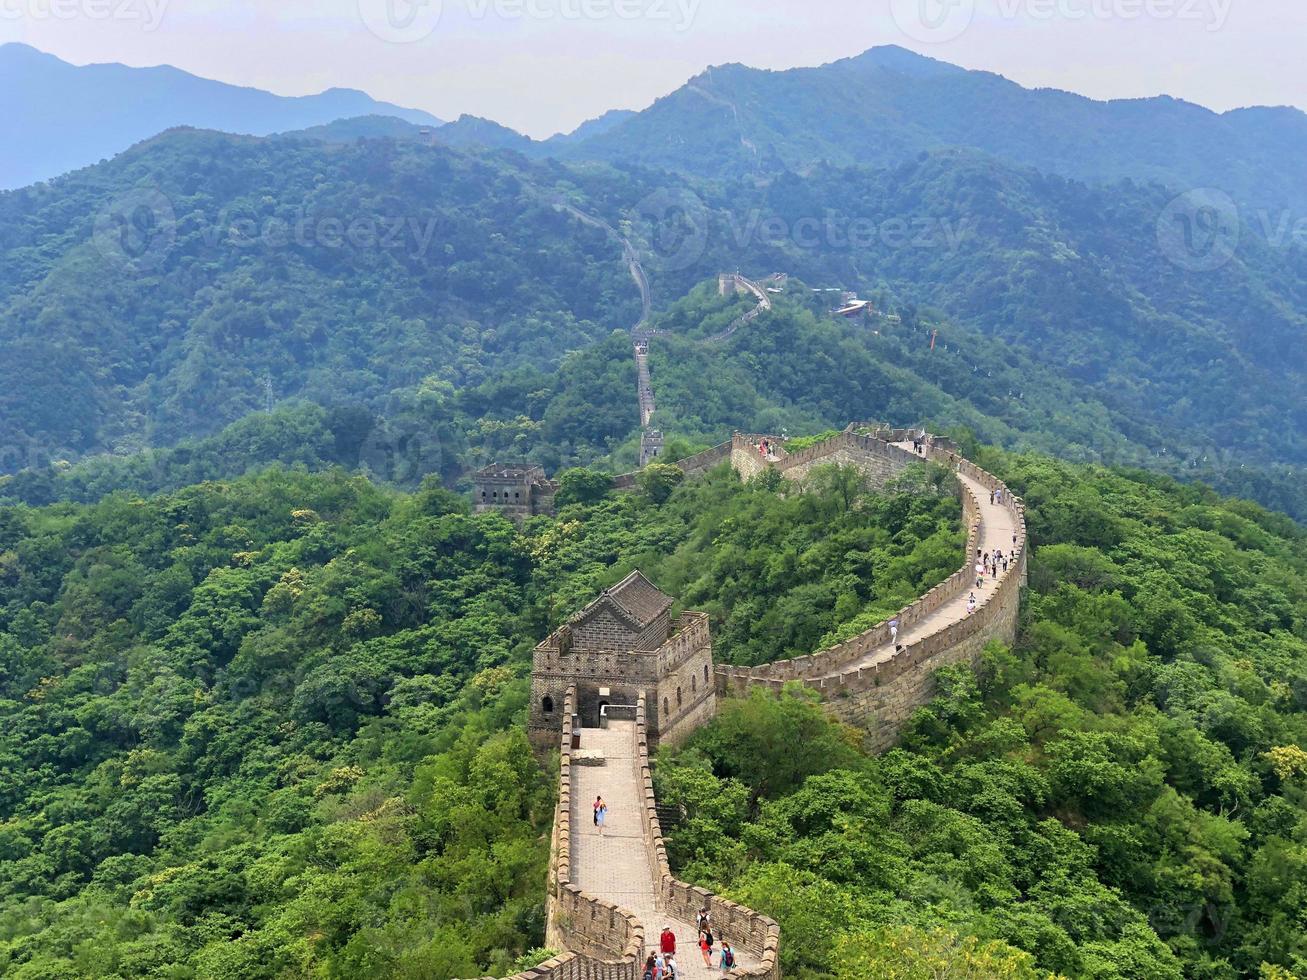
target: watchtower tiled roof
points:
(643, 601)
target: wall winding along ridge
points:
(865, 679)
(868, 680)
(603, 941)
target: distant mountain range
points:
(889, 105)
(881, 108)
(56, 117)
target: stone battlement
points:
(864, 680)
(746, 928)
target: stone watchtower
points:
(517, 491)
(624, 643)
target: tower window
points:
(678, 697)
(667, 708)
(547, 705)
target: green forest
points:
(1122, 795)
(274, 726)
(265, 673)
(155, 300)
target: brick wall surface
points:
(744, 927)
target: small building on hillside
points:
(516, 490)
(624, 643)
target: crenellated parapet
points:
(602, 940)
(621, 645)
(748, 929)
(869, 679)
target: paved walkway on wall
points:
(996, 526)
(616, 866)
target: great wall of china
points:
(622, 675)
(627, 676)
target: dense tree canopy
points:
(1122, 795)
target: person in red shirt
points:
(667, 942)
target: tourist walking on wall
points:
(894, 632)
(705, 946)
(650, 968)
(971, 604)
(601, 814)
(728, 956)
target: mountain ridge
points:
(56, 117)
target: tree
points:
(658, 480)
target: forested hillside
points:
(274, 726)
(887, 105)
(1122, 795)
(427, 297)
(177, 287)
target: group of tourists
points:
(990, 564)
(919, 444)
(766, 450)
(661, 965)
(996, 496)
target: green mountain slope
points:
(177, 287)
(885, 106)
(274, 726)
(184, 285)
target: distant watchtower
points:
(651, 446)
(623, 643)
(517, 491)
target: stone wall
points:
(683, 663)
(741, 927)
(554, 674)
(603, 942)
(691, 466)
(745, 458)
(686, 695)
(883, 696)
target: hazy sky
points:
(545, 65)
